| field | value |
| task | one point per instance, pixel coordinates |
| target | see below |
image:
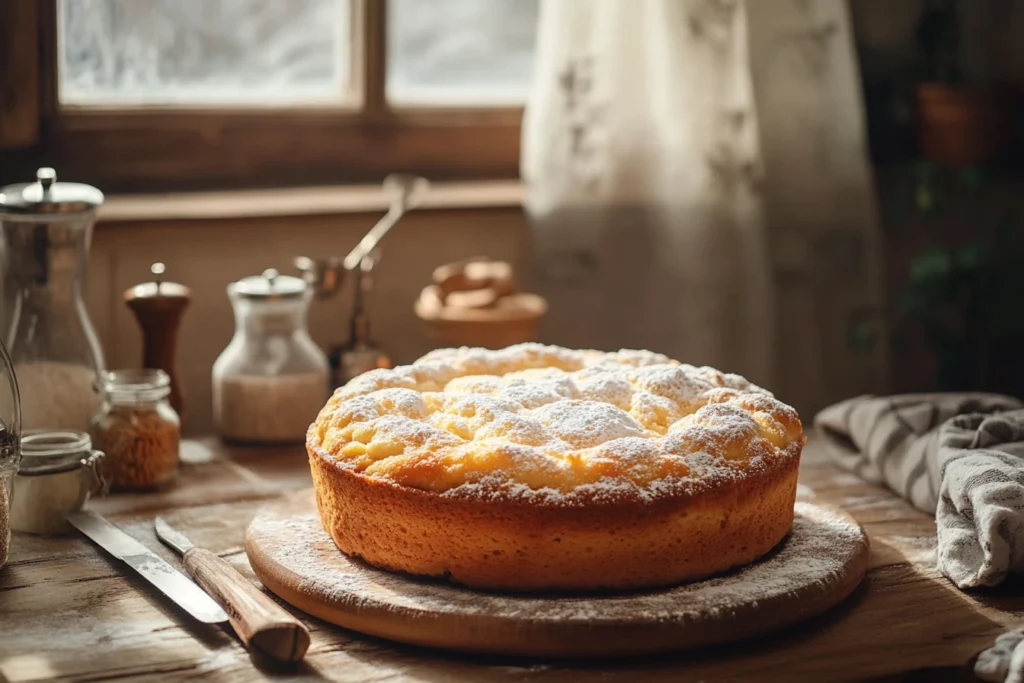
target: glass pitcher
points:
(270, 382)
(45, 230)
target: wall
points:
(206, 255)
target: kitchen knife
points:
(151, 567)
(259, 621)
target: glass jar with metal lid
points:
(45, 230)
(271, 380)
(137, 429)
(58, 473)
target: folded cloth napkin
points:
(960, 456)
(956, 455)
(1004, 661)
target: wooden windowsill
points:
(302, 201)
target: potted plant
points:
(958, 124)
(963, 302)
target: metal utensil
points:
(360, 353)
(150, 566)
(325, 276)
(259, 621)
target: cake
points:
(542, 468)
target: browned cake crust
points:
(542, 468)
(519, 546)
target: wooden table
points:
(68, 611)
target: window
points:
(152, 95)
(468, 51)
(181, 52)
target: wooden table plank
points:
(68, 611)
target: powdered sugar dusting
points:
(824, 553)
(465, 412)
(585, 424)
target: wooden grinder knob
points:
(158, 307)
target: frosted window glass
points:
(460, 51)
(180, 52)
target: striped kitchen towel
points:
(960, 456)
(956, 455)
(1004, 661)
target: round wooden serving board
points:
(816, 566)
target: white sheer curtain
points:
(697, 184)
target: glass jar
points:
(271, 380)
(58, 473)
(137, 429)
(10, 447)
(45, 230)
(6, 484)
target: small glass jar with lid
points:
(137, 429)
(271, 380)
(58, 473)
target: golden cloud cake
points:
(542, 468)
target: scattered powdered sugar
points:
(585, 424)
(519, 429)
(474, 384)
(412, 432)
(583, 414)
(631, 357)
(671, 381)
(605, 385)
(719, 425)
(535, 392)
(824, 555)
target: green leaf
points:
(971, 256)
(934, 264)
(972, 178)
(923, 199)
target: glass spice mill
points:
(325, 276)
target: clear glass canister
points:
(10, 447)
(58, 473)
(45, 230)
(271, 380)
(137, 429)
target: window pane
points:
(259, 52)
(460, 51)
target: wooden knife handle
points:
(259, 621)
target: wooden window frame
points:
(159, 149)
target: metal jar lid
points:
(158, 288)
(51, 452)
(46, 197)
(269, 286)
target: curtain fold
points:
(697, 184)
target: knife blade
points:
(260, 623)
(171, 536)
(168, 580)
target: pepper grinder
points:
(359, 354)
(158, 306)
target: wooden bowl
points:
(515, 319)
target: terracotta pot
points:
(958, 126)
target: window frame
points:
(157, 149)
